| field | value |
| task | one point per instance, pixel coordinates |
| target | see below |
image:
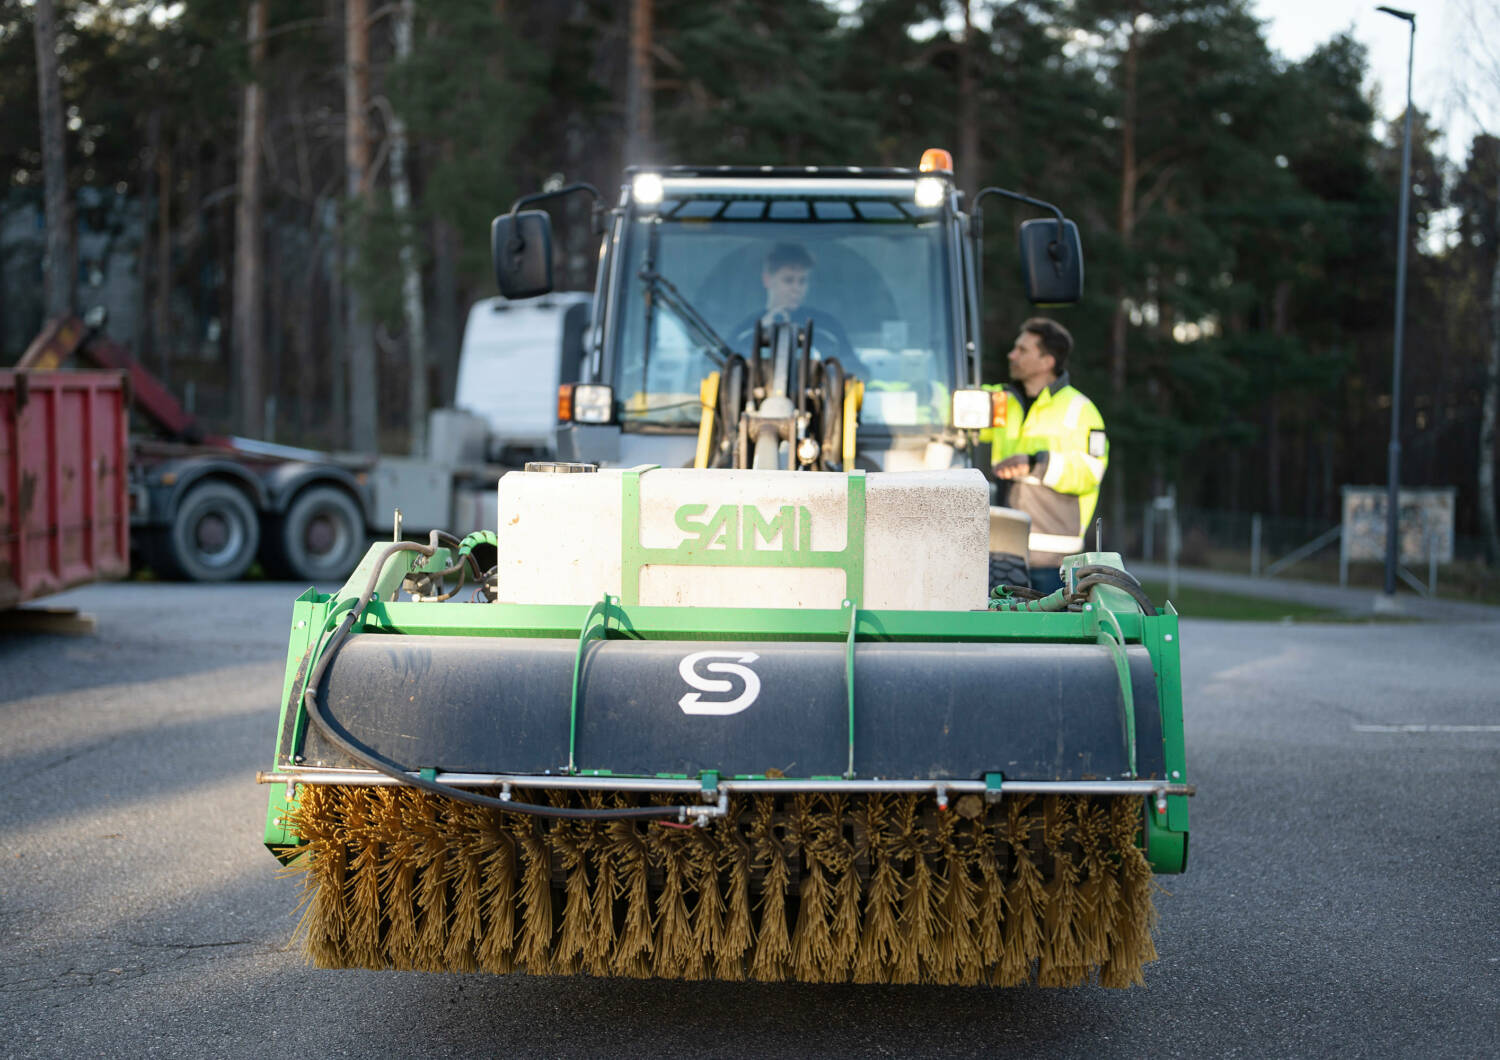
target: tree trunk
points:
(446, 320)
(361, 330)
(1487, 515)
(60, 259)
(638, 115)
(968, 123)
(248, 339)
(150, 236)
(1273, 458)
(1118, 330)
(223, 175)
(1280, 326)
(411, 269)
(338, 336)
(161, 307)
(1129, 180)
(1328, 501)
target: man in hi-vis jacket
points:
(1049, 445)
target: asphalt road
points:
(1343, 896)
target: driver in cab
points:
(786, 275)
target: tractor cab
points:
(871, 268)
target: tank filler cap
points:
(560, 467)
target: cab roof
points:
(783, 172)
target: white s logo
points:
(692, 702)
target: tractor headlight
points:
(930, 192)
(593, 403)
(647, 189)
(973, 409)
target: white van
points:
(513, 357)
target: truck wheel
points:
(1009, 569)
(213, 536)
(321, 537)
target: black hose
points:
(1085, 569)
(404, 776)
(465, 562)
(833, 415)
(1112, 579)
(757, 366)
(1025, 592)
(732, 389)
(1015, 592)
(453, 542)
(803, 373)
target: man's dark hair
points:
(1055, 340)
(783, 254)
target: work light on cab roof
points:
(646, 188)
(930, 190)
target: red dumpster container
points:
(64, 470)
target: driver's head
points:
(785, 275)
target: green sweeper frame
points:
(1111, 622)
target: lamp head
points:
(1406, 16)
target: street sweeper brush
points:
(672, 742)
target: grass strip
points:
(1210, 603)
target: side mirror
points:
(521, 244)
(1051, 261)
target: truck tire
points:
(320, 538)
(212, 538)
(1009, 569)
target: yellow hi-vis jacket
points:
(1063, 433)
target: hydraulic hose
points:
(466, 563)
(1033, 601)
(403, 775)
(733, 387)
(831, 414)
(1112, 577)
(1085, 569)
(454, 543)
(1088, 576)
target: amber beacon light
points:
(936, 160)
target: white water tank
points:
(732, 538)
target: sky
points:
(1295, 27)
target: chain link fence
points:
(1290, 546)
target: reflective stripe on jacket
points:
(1066, 433)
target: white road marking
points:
(1426, 728)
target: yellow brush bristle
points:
(880, 936)
(577, 918)
(633, 947)
(739, 929)
(822, 888)
(534, 944)
(772, 946)
(959, 949)
(676, 955)
(708, 910)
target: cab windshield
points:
(873, 278)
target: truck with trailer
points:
(204, 507)
(735, 695)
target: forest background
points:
(285, 204)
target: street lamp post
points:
(1393, 471)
